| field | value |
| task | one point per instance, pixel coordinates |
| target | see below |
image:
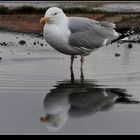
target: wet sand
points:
(35, 82)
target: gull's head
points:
(53, 15)
(55, 122)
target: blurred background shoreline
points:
(26, 15)
(127, 6)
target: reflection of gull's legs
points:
(71, 69)
(82, 75)
(82, 64)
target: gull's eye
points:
(55, 14)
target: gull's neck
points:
(62, 22)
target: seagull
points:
(76, 36)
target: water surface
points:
(37, 94)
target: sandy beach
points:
(32, 75)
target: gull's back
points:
(90, 34)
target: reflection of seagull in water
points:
(75, 35)
(78, 99)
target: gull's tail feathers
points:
(123, 34)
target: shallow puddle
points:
(37, 94)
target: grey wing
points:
(89, 34)
(86, 39)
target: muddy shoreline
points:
(30, 23)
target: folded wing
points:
(90, 34)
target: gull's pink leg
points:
(82, 62)
(72, 61)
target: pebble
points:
(22, 42)
(117, 55)
(3, 44)
(130, 46)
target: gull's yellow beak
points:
(44, 20)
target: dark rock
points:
(117, 55)
(0, 58)
(41, 45)
(22, 42)
(130, 46)
(4, 44)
